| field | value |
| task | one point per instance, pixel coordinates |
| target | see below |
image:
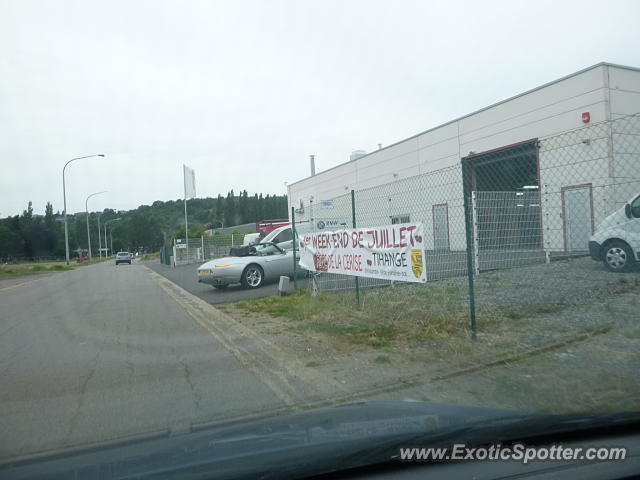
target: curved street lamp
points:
(105, 233)
(86, 205)
(64, 197)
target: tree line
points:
(147, 227)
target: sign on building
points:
(330, 223)
(391, 252)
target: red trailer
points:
(266, 226)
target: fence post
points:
(202, 241)
(353, 214)
(295, 241)
(470, 269)
(475, 236)
(544, 220)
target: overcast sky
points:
(244, 91)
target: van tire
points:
(617, 257)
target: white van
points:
(617, 241)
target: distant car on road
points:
(123, 257)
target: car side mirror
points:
(627, 210)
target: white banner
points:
(391, 252)
(189, 182)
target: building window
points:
(399, 219)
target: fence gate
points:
(508, 229)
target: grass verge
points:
(385, 315)
(27, 269)
(415, 313)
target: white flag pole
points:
(186, 225)
(189, 192)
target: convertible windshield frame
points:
(266, 244)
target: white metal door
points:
(577, 218)
(440, 227)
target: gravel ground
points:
(560, 281)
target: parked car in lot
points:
(123, 257)
(282, 236)
(250, 266)
(617, 241)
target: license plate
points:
(204, 272)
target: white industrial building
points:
(582, 104)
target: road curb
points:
(292, 382)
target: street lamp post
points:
(105, 233)
(86, 204)
(99, 236)
(64, 198)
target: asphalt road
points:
(102, 353)
(187, 278)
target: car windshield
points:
(267, 249)
(358, 218)
(635, 208)
(271, 236)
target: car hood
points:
(307, 443)
(616, 220)
(261, 447)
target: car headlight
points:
(223, 265)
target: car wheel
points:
(252, 276)
(618, 257)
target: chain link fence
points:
(433, 199)
(203, 248)
(587, 174)
(523, 205)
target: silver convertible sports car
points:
(250, 266)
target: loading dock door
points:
(440, 227)
(577, 217)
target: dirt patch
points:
(560, 337)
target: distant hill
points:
(148, 226)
